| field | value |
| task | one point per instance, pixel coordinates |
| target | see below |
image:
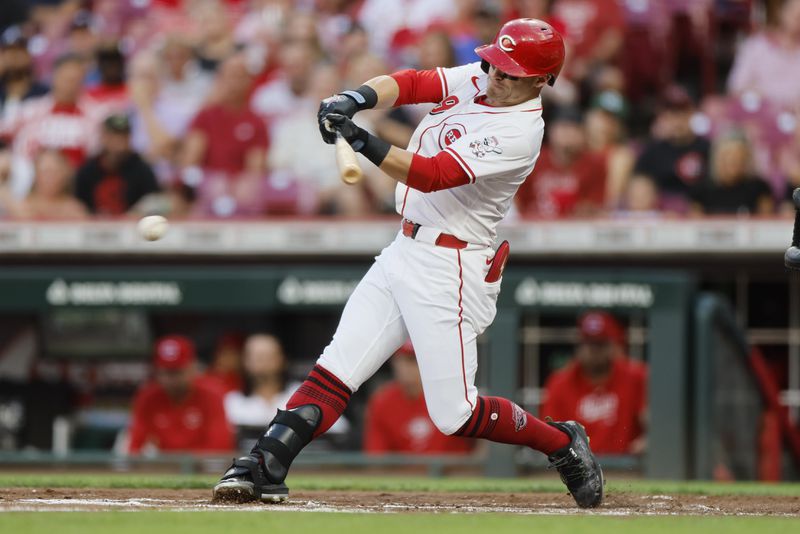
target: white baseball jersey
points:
(496, 146)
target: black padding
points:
(485, 66)
(278, 449)
(296, 423)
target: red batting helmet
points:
(525, 48)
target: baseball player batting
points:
(437, 283)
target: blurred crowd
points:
(207, 108)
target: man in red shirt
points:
(226, 136)
(397, 419)
(568, 179)
(601, 388)
(175, 412)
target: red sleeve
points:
(375, 439)
(201, 121)
(261, 136)
(419, 86)
(219, 436)
(140, 426)
(434, 174)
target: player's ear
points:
(540, 81)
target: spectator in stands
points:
(640, 197)
(768, 63)
(568, 179)
(51, 195)
(110, 95)
(594, 33)
(601, 388)
(279, 95)
(226, 135)
(17, 80)
(397, 420)
(112, 182)
(734, 189)
(267, 384)
(215, 43)
(225, 371)
(605, 136)
(167, 88)
(57, 120)
(174, 412)
(676, 158)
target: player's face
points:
(505, 90)
(595, 357)
(176, 382)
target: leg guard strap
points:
(287, 434)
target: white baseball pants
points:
(437, 296)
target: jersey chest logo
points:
(446, 104)
(450, 133)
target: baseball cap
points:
(174, 352)
(13, 37)
(118, 123)
(406, 350)
(611, 102)
(675, 98)
(599, 326)
(567, 114)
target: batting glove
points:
(346, 103)
(353, 134)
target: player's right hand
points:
(338, 104)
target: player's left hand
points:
(338, 104)
(353, 134)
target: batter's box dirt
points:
(622, 504)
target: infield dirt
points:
(616, 504)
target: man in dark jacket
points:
(112, 182)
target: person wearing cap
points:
(601, 388)
(568, 179)
(397, 420)
(113, 181)
(17, 80)
(110, 93)
(606, 136)
(174, 412)
(675, 158)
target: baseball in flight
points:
(152, 227)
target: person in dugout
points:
(601, 388)
(175, 412)
(397, 419)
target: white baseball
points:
(152, 227)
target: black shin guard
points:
(287, 434)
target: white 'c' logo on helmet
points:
(506, 43)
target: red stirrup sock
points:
(323, 389)
(498, 419)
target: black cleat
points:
(245, 481)
(578, 467)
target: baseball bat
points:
(349, 169)
(792, 257)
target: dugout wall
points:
(661, 299)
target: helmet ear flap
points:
(485, 66)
